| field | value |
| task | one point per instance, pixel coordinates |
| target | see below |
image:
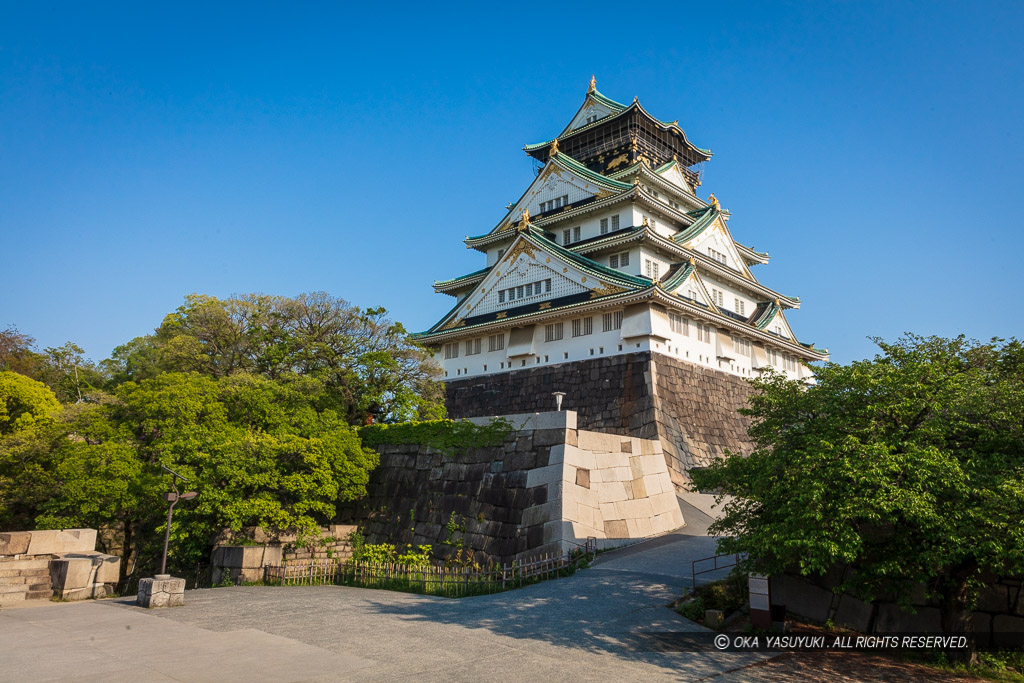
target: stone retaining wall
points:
(690, 408)
(998, 616)
(547, 488)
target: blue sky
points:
(874, 149)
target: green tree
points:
(363, 360)
(908, 466)
(24, 401)
(259, 452)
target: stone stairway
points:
(24, 579)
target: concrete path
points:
(577, 627)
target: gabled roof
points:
(619, 110)
(612, 281)
(555, 162)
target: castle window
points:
(553, 332)
(604, 226)
(619, 260)
(739, 306)
(718, 297)
(717, 256)
(547, 285)
(612, 321)
(576, 234)
(472, 346)
(678, 324)
(529, 289)
(501, 252)
(615, 222)
(501, 296)
(582, 326)
(519, 292)
(451, 350)
(566, 237)
(496, 342)
(741, 346)
(703, 333)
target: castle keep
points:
(611, 280)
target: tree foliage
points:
(366, 363)
(908, 466)
(260, 453)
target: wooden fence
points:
(452, 582)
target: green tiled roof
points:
(678, 277)
(706, 218)
(770, 311)
(468, 276)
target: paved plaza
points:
(577, 627)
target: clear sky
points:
(874, 149)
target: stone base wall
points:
(241, 556)
(690, 408)
(62, 563)
(548, 488)
(998, 616)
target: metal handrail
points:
(693, 565)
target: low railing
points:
(715, 567)
(446, 581)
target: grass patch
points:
(728, 595)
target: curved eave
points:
(653, 178)
(538, 149)
(481, 242)
(707, 264)
(752, 257)
(620, 298)
(568, 164)
(653, 292)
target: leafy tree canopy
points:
(908, 466)
(23, 401)
(365, 362)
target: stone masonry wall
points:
(547, 488)
(691, 409)
(998, 616)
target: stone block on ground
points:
(155, 593)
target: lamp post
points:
(558, 399)
(172, 497)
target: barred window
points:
(615, 222)
(740, 305)
(566, 237)
(703, 333)
(576, 234)
(472, 346)
(501, 296)
(611, 321)
(741, 346)
(496, 342)
(604, 226)
(451, 350)
(553, 332)
(582, 326)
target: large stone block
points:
(156, 593)
(854, 614)
(543, 475)
(15, 542)
(892, 619)
(1007, 631)
(57, 541)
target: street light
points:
(559, 395)
(172, 497)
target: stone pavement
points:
(577, 627)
